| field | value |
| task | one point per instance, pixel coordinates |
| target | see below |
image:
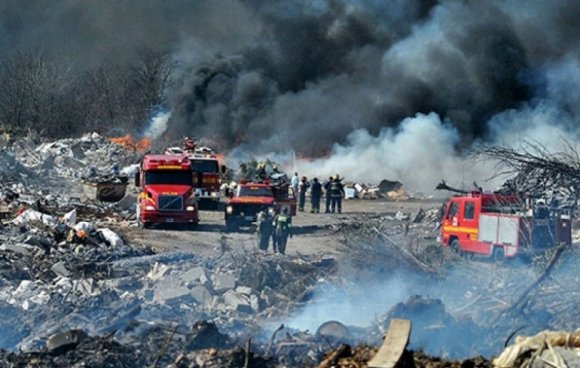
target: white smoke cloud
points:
(419, 153)
(354, 306)
(158, 125)
(543, 123)
(422, 150)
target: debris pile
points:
(392, 190)
(546, 349)
(60, 274)
(72, 285)
(434, 329)
(72, 158)
(252, 170)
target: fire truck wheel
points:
(143, 225)
(191, 226)
(456, 247)
(231, 225)
(498, 254)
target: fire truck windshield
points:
(206, 166)
(175, 177)
(251, 191)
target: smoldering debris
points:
(386, 189)
(71, 284)
(73, 157)
(542, 350)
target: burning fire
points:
(221, 158)
(127, 142)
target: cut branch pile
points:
(536, 171)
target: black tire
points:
(142, 225)
(498, 254)
(456, 246)
(191, 226)
(232, 225)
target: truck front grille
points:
(248, 209)
(170, 203)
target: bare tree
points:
(535, 170)
(57, 100)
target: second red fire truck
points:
(207, 173)
(249, 198)
(499, 225)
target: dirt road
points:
(315, 233)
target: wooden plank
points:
(394, 344)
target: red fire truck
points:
(499, 225)
(167, 191)
(207, 173)
(250, 198)
(207, 178)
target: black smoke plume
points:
(303, 75)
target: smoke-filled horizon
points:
(402, 85)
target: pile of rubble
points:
(546, 349)
(387, 189)
(59, 274)
(259, 170)
(72, 158)
(73, 291)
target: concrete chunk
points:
(16, 248)
(158, 271)
(84, 286)
(224, 282)
(237, 302)
(167, 295)
(195, 275)
(244, 290)
(65, 341)
(60, 269)
(202, 296)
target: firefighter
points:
(336, 194)
(294, 182)
(261, 171)
(264, 230)
(189, 144)
(302, 188)
(282, 229)
(541, 211)
(327, 193)
(315, 194)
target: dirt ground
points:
(315, 233)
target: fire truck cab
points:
(207, 174)
(250, 198)
(207, 178)
(499, 225)
(167, 194)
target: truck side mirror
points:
(137, 177)
(223, 169)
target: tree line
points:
(58, 99)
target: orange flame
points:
(221, 158)
(127, 142)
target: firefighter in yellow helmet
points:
(261, 171)
(282, 229)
